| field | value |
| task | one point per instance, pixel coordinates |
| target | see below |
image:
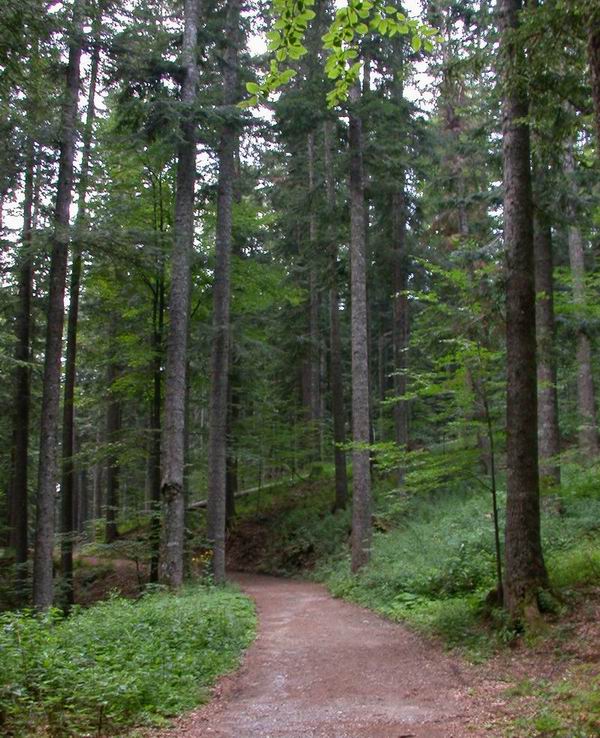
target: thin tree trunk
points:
(400, 321)
(361, 472)
(175, 379)
(43, 585)
(586, 396)
(155, 422)
(113, 429)
(548, 429)
(68, 521)
(233, 411)
(217, 436)
(19, 491)
(314, 352)
(335, 341)
(525, 569)
(594, 60)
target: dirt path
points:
(323, 668)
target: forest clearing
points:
(299, 361)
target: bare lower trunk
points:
(361, 496)
(586, 396)
(43, 585)
(400, 322)
(594, 59)
(68, 520)
(525, 569)
(175, 379)
(217, 437)
(548, 430)
(233, 409)
(155, 422)
(113, 430)
(314, 352)
(335, 340)
(19, 491)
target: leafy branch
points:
(341, 42)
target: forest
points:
(305, 289)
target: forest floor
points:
(325, 668)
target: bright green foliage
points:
(118, 663)
(341, 42)
(433, 560)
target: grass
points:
(432, 566)
(118, 663)
(568, 708)
(432, 562)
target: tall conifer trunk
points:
(217, 436)
(594, 59)
(400, 319)
(155, 419)
(335, 340)
(314, 304)
(525, 569)
(68, 522)
(179, 302)
(586, 395)
(43, 585)
(548, 429)
(113, 431)
(19, 488)
(361, 472)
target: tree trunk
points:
(314, 359)
(233, 411)
(68, 521)
(594, 60)
(361, 485)
(175, 379)
(113, 429)
(525, 569)
(155, 421)
(400, 321)
(18, 507)
(335, 341)
(43, 585)
(217, 436)
(548, 429)
(586, 396)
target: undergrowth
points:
(119, 663)
(432, 562)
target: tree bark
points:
(361, 472)
(314, 358)
(19, 489)
(217, 436)
(233, 411)
(548, 429)
(400, 321)
(43, 585)
(525, 569)
(68, 521)
(113, 430)
(586, 396)
(594, 60)
(335, 340)
(175, 379)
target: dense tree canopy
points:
(372, 244)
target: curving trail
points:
(324, 668)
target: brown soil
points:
(324, 668)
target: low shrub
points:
(118, 663)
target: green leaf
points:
(253, 88)
(416, 43)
